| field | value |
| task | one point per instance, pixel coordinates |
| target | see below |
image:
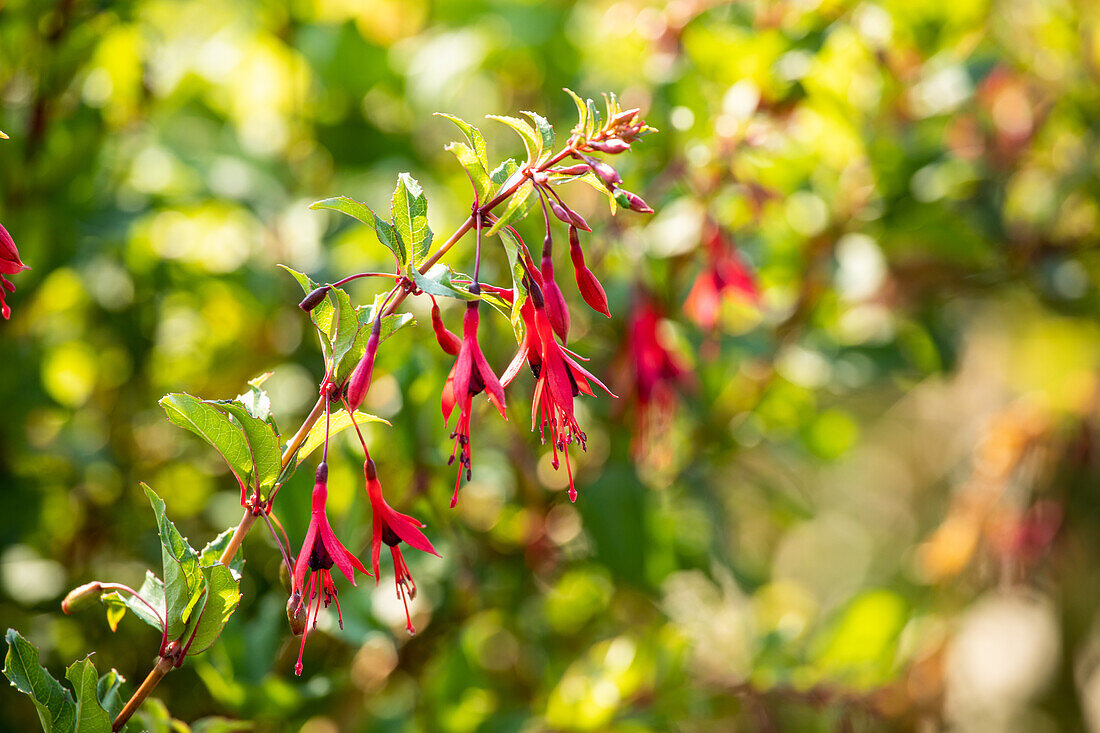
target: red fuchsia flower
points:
(559, 378)
(320, 551)
(393, 528)
(726, 272)
(654, 371)
(10, 264)
(470, 375)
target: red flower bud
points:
(632, 201)
(613, 147)
(449, 342)
(604, 172)
(589, 287)
(359, 382)
(574, 170)
(314, 298)
(556, 308)
(623, 117)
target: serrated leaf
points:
(256, 401)
(531, 139)
(263, 445)
(514, 249)
(55, 704)
(90, 715)
(362, 212)
(339, 421)
(214, 426)
(582, 113)
(109, 692)
(409, 211)
(546, 132)
(474, 137)
(222, 597)
(344, 327)
(500, 175)
(212, 553)
(518, 207)
(183, 579)
(479, 176)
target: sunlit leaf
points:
(409, 211)
(531, 139)
(339, 421)
(183, 579)
(362, 212)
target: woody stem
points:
(164, 664)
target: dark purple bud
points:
(322, 473)
(604, 172)
(314, 298)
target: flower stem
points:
(164, 664)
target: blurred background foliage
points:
(869, 501)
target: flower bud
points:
(590, 288)
(296, 613)
(574, 170)
(631, 201)
(314, 298)
(359, 382)
(604, 172)
(82, 596)
(623, 117)
(613, 147)
(557, 311)
(568, 216)
(449, 342)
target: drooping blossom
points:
(558, 379)
(470, 375)
(392, 527)
(653, 372)
(725, 274)
(10, 264)
(320, 551)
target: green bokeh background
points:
(814, 538)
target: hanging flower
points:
(559, 378)
(654, 372)
(393, 528)
(470, 375)
(320, 551)
(726, 274)
(10, 264)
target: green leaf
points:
(183, 579)
(531, 139)
(362, 212)
(479, 177)
(594, 122)
(409, 211)
(474, 137)
(212, 425)
(514, 249)
(214, 724)
(439, 281)
(90, 715)
(223, 595)
(546, 132)
(109, 692)
(582, 114)
(503, 172)
(519, 205)
(57, 711)
(339, 422)
(263, 444)
(256, 401)
(154, 718)
(212, 553)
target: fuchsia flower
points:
(726, 272)
(559, 378)
(470, 375)
(320, 551)
(10, 264)
(654, 370)
(393, 527)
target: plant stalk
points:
(162, 667)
